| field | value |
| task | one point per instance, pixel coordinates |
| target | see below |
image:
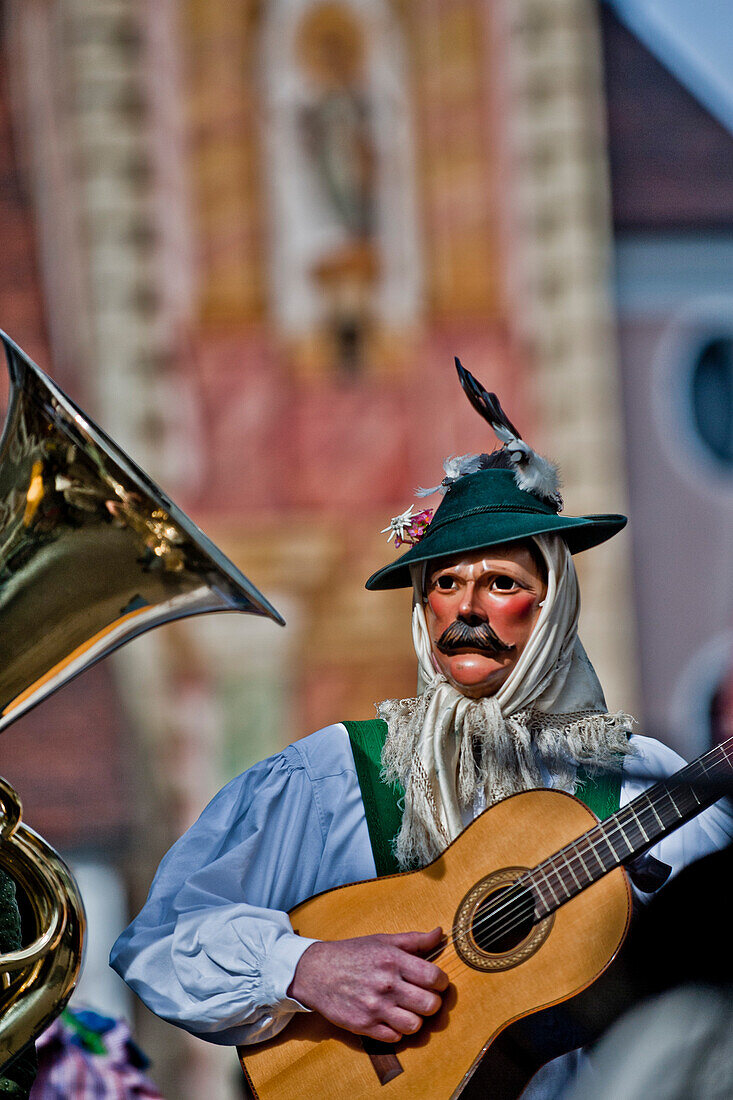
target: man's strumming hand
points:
(378, 986)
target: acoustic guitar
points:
(535, 904)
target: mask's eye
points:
(445, 582)
(503, 583)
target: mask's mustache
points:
(460, 635)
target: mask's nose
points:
(470, 610)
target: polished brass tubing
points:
(92, 553)
(40, 884)
(40, 977)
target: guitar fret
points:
(684, 799)
(627, 842)
(654, 812)
(671, 804)
(649, 821)
(641, 827)
(542, 907)
(569, 872)
(630, 833)
(558, 875)
(569, 866)
(547, 907)
(605, 861)
(596, 856)
(594, 850)
(611, 842)
(584, 865)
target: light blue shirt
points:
(213, 949)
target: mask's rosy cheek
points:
(512, 611)
(441, 605)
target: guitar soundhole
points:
(495, 927)
(503, 920)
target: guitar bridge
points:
(386, 1064)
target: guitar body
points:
(489, 990)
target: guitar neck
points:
(631, 831)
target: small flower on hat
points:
(408, 528)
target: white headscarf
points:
(454, 755)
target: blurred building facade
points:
(249, 239)
(671, 166)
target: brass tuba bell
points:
(92, 553)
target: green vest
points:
(383, 802)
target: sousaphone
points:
(92, 553)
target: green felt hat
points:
(488, 508)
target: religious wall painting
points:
(344, 265)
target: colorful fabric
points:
(88, 1056)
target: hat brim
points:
(580, 533)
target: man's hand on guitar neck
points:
(378, 986)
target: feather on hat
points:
(505, 495)
(532, 472)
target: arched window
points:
(711, 385)
(692, 395)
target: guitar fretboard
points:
(629, 832)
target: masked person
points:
(507, 701)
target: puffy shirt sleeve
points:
(199, 954)
(709, 831)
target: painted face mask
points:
(480, 611)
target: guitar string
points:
(520, 887)
(509, 905)
(520, 892)
(523, 884)
(462, 930)
(604, 831)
